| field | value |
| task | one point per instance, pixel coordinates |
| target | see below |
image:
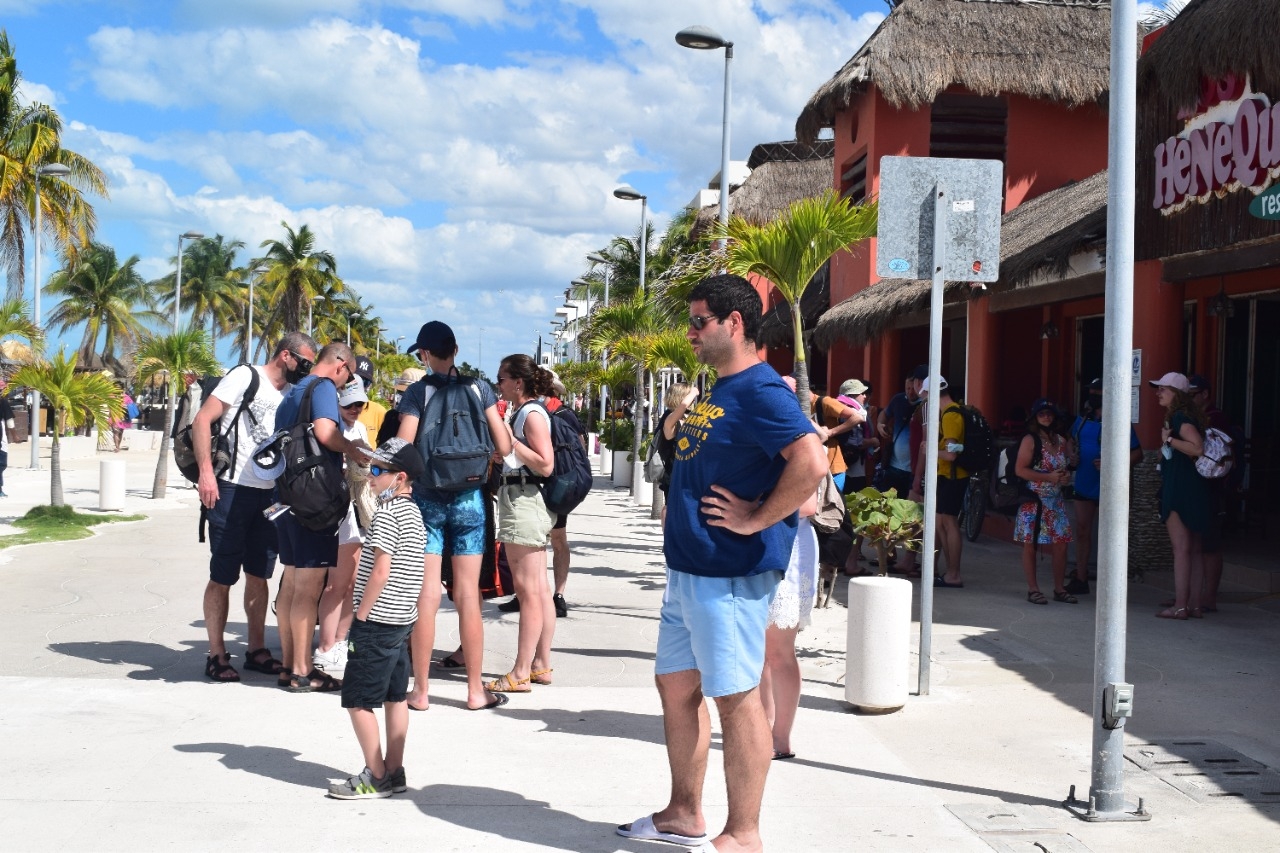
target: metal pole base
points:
(1086, 811)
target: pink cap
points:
(1176, 381)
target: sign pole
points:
(932, 430)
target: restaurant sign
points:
(1267, 205)
(1232, 141)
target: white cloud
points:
(35, 93)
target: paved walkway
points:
(114, 740)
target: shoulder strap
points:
(304, 410)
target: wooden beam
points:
(1223, 261)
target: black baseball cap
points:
(364, 369)
(920, 372)
(399, 455)
(434, 337)
(1199, 382)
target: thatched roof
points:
(1058, 50)
(776, 331)
(781, 173)
(1212, 38)
(1041, 234)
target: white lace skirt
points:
(794, 600)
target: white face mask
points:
(387, 495)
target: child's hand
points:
(689, 398)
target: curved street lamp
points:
(56, 170)
(627, 192)
(606, 458)
(705, 38)
(310, 303)
(177, 285)
(349, 318)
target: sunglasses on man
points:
(699, 321)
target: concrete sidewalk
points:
(117, 742)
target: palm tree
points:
(31, 137)
(184, 351)
(15, 320)
(76, 398)
(790, 250)
(210, 287)
(103, 294)
(292, 273)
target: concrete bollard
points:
(878, 646)
(111, 484)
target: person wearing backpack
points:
(524, 522)
(1086, 433)
(240, 536)
(1184, 496)
(953, 481)
(306, 553)
(1043, 465)
(1220, 490)
(443, 407)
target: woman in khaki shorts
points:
(524, 523)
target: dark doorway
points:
(1088, 354)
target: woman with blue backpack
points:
(1044, 468)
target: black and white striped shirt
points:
(396, 529)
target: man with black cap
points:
(1086, 432)
(454, 519)
(894, 427)
(374, 412)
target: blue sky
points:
(457, 156)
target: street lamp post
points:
(177, 285)
(248, 350)
(629, 193)
(606, 458)
(56, 170)
(311, 302)
(705, 38)
(377, 347)
(349, 318)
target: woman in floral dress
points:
(1044, 521)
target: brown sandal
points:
(539, 676)
(509, 684)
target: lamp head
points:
(701, 38)
(57, 170)
(626, 192)
(597, 258)
(193, 235)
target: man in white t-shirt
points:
(240, 536)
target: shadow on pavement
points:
(646, 728)
(158, 662)
(1003, 796)
(269, 761)
(506, 814)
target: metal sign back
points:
(973, 200)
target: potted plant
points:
(617, 436)
(886, 521)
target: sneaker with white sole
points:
(398, 783)
(331, 661)
(364, 786)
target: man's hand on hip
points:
(727, 510)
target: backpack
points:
(453, 436)
(979, 441)
(222, 447)
(1219, 455)
(570, 480)
(1011, 490)
(312, 483)
(654, 468)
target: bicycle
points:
(974, 510)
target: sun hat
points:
(352, 392)
(557, 384)
(409, 376)
(854, 387)
(1176, 381)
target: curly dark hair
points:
(537, 380)
(1186, 403)
(727, 293)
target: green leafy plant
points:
(618, 434)
(886, 520)
(57, 524)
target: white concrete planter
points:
(621, 468)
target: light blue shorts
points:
(716, 626)
(455, 517)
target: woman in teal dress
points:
(1184, 496)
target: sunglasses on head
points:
(699, 321)
(378, 470)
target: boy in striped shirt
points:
(388, 582)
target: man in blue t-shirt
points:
(306, 554)
(746, 459)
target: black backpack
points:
(979, 441)
(453, 435)
(1010, 490)
(570, 480)
(222, 447)
(312, 483)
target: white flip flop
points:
(645, 830)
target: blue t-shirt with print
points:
(1088, 432)
(732, 438)
(324, 404)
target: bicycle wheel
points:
(975, 508)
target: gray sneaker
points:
(365, 786)
(396, 778)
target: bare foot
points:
(486, 700)
(418, 700)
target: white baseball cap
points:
(924, 386)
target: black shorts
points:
(1211, 538)
(306, 549)
(895, 478)
(239, 535)
(561, 520)
(951, 495)
(377, 665)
